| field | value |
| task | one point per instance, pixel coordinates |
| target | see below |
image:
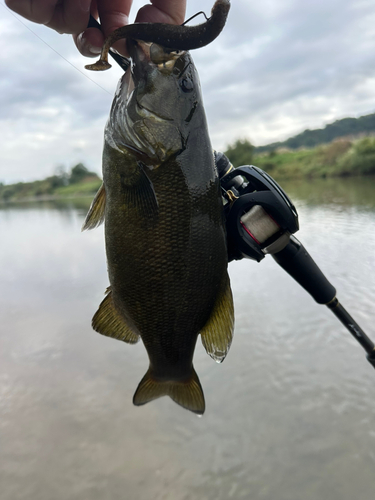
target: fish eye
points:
(186, 84)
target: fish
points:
(164, 225)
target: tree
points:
(60, 177)
(240, 153)
(360, 159)
(78, 173)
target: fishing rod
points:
(261, 220)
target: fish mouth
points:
(148, 54)
(148, 57)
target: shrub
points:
(240, 153)
(360, 159)
(78, 173)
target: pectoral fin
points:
(140, 193)
(187, 393)
(109, 322)
(95, 215)
(217, 333)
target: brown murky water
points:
(290, 413)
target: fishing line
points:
(192, 17)
(62, 57)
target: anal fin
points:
(217, 333)
(187, 393)
(108, 321)
(95, 215)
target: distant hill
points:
(311, 138)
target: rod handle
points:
(297, 262)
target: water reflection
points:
(347, 191)
(290, 413)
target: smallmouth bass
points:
(164, 228)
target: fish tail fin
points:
(187, 393)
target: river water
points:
(290, 414)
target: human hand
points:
(72, 16)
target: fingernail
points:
(86, 47)
(93, 50)
(85, 5)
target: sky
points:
(278, 68)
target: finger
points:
(38, 11)
(163, 11)
(70, 16)
(114, 14)
(94, 9)
(89, 42)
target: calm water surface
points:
(290, 413)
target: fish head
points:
(155, 102)
(164, 80)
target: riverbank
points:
(76, 184)
(340, 158)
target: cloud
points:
(51, 113)
(277, 68)
(298, 65)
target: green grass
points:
(47, 189)
(339, 158)
(85, 187)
